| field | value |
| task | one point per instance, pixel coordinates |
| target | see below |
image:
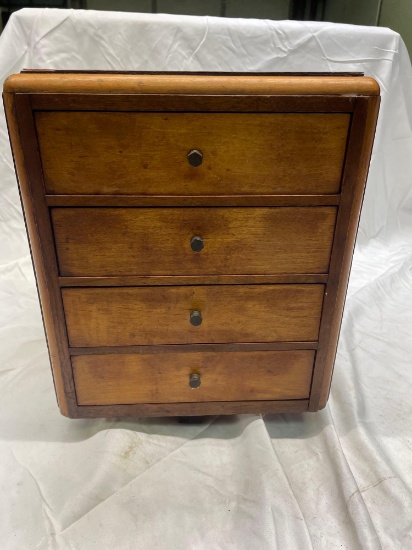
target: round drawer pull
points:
(195, 158)
(194, 380)
(196, 243)
(195, 318)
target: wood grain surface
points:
(156, 241)
(146, 153)
(186, 348)
(354, 180)
(110, 199)
(174, 280)
(191, 409)
(163, 378)
(176, 103)
(39, 231)
(191, 200)
(189, 84)
(161, 315)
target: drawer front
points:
(147, 153)
(192, 314)
(165, 377)
(193, 241)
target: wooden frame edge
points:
(214, 408)
(191, 200)
(190, 102)
(353, 187)
(198, 280)
(181, 348)
(193, 83)
(28, 170)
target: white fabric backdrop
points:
(340, 478)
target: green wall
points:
(397, 15)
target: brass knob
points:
(195, 318)
(195, 158)
(196, 243)
(194, 380)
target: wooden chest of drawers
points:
(191, 234)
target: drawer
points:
(192, 314)
(147, 153)
(165, 377)
(193, 241)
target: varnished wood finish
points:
(161, 378)
(255, 232)
(192, 84)
(146, 153)
(120, 241)
(149, 316)
(193, 280)
(200, 200)
(193, 409)
(193, 103)
(185, 348)
(28, 169)
(356, 171)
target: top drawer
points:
(133, 153)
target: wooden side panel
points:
(150, 315)
(128, 241)
(356, 171)
(27, 164)
(146, 153)
(163, 378)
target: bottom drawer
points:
(165, 377)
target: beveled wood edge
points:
(176, 280)
(193, 103)
(354, 180)
(27, 165)
(193, 84)
(200, 200)
(214, 408)
(178, 348)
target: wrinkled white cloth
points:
(340, 478)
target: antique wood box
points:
(191, 234)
